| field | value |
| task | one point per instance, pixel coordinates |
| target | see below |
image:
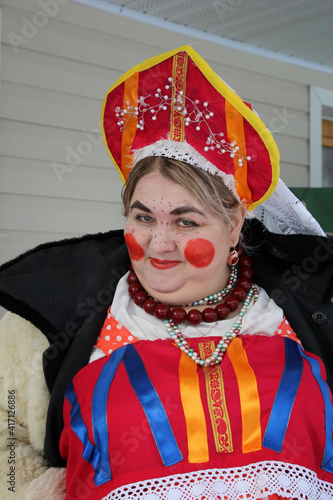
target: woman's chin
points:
(164, 292)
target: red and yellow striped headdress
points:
(175, 105)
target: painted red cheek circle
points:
(199, 252)
(135, 250)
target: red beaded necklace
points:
(233, 294)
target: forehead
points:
(156, 186)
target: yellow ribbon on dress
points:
(249, 397)
(193, 409)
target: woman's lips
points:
(163, 264)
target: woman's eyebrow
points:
(140, 206)
(177, 211)
(186, 209)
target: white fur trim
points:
(21, 351)
(22, 346)
(51, 485)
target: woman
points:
(179, 251)
(194, 385)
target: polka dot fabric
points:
(285, 330)
(113, 335)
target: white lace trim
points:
(184, 152)
(249, 482)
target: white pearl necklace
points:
(219, 296)
(222, 346)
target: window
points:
(327, 152)
(321, 137)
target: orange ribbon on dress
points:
(193, 409)
(249, 397)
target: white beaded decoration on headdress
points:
(196, 114)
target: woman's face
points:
(178, 249)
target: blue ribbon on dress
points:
(99, 407)
(90, 453)
(98, 455)
(285, 397)
(327, 463)
(152, 406)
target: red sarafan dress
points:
(147, 422)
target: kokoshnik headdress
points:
(175, 105)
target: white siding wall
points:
(52, 87)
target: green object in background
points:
(319, 201)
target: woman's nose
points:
(163, 239)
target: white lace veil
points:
(284, 213)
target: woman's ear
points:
(237, 223)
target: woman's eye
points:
(186, 223)
(144, 218)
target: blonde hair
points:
(209, 190)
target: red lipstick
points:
(163, 264)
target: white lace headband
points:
(184, 152)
